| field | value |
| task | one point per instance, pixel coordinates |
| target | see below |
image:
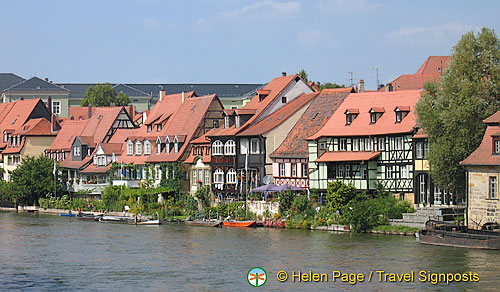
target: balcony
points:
(133, 183)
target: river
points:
(51, 253)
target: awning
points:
(348, 156)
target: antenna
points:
(352, 77)
(378, 81)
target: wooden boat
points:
(67, 214)
(148, 222)
(117, 219)
(88, 217)
(445, 234)
(234, 223)
(205, 223)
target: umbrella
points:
(264, 188)
(285, 188)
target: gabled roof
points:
(275, 87)
(8, 80)
(110, 148)
(279, 116)
(434, 65)
(165, 108)
(348, 156)
(128, 90)
(35, 84)
(361, 125)
(483, 155)
(36, 127)
(67, 134)
(317, 114)
(184, 122)
(77, 164)
(413, 81)
(101, 121)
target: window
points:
(373, 118)
(322, 146)
(496, 146)
(398, 143)
(158, 148)
(147, 147)
(207, 176)
(176, 147)
(243, 146)
(226, 122)
(208, 151)
(381, 143)
(294, 169)
(200, 175)
(399, 116)
(403, 171)
(254, 146)
(230, 147)
(56, 107)
(493, 187)
(341, 171)
(158, 128)
(167, 146)
(16, 160)
(348, 171)
(138, 148)
(216, 124)
(355, 144)
(195, 176)
(218, 176)
(419, 150)
(217, 148)
(76, 151)
(9, 161)
(364, 173)
(426, 149)
(150, 128)
(5, 137)
(282, 169)
(389, 170)
(130, 148)
(283, 99)
(231, 176)
(304, 169)
(342, 144)
(368, 144)
(237, 121)
(348, 119)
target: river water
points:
(51, 253)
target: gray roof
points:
(35, 84)
(8, 80)
(128, 90)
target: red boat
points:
(234, 223)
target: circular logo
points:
(257, 277)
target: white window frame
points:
(355, 144)
(138, 148)
(207, 176)
(56, 107)
(147, 147)
(282, 169)
(217, 148)
(368, 144)
(304, 169)
(231, 176)
(381, 143)
(342, 144)
(76, 151)
(244, 146)
(389, 172)
(493, 187)
(403, 171)
(340, 172)
(158, 148)
(294, 169)
(176, 147)
(226, 122)
(195, 176)
(347, 171)
(218, 176)
(399, 116)
(496, 146)
(130, 148)
(398, 143)
(254, 146)
(230, 147)
(419, 150)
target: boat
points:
(235, 223)
(148, 222)
(205, 223)
(117, 219)
(446, 234)
(67, 214)
(88, 217)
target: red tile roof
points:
(110, 148)
(316, 115)
(69, 163)
(101, 121)
(483, 155)
(420, 134)
(412, 81)
(347, 156)
(79, 112)
(432, 64)
(67, 134)
(361, 125)
(36, 127)
(17, 149)
(168, 106)
(15, 115)
(91, 168)
(279, 116)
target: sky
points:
(231, 41)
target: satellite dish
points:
(266, 180)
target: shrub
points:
(339, 194)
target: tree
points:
(103, 95)
(339, 194)
(451, 112)
(33, 179)
(303, 74)
(328, 85)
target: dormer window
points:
(263, 93)
(150, 128)
(147, 147)
(496, 145)
(237, 121)
(226, 122)
(176, 147)
(283, 99)
(350, 115)
(401, 112)
(167, 145)
(5, 137)
(158, 128)
(138, 148)
(130, 148)
(158, 147)
(375, 114)
(76, 151)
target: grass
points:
(180, 217)
(395, 228)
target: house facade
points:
(483, 173)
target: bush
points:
(285, 200)
(203, 196)
(300, 204)
(339, 194)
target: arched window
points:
(147, 147)
(231, 176)
(218, 176)
(138, 148)
(217, 148)
(230, 147)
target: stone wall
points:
(259, 207)
(481, 209)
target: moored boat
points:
(67, 214)
(116, 219)
(148, 222)
(440, 233)
(235, 223)
(88, 216)
(205, 223)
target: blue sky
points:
(231, 41)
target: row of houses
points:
(288, 132)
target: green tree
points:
(33, 179)
(303, 74)
(452, 111)
(339, 194)
(203, 196)
(328, 85)
(103, 95)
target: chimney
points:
(361, 85)
(182, 97)
(131, 111)
(47, 79)
(54, 126)
(90, 111)
(49, 105)
(283, 74)
(161, 95)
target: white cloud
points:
(265, 8)
(431, 33)
(344, 6)
(313, 37)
